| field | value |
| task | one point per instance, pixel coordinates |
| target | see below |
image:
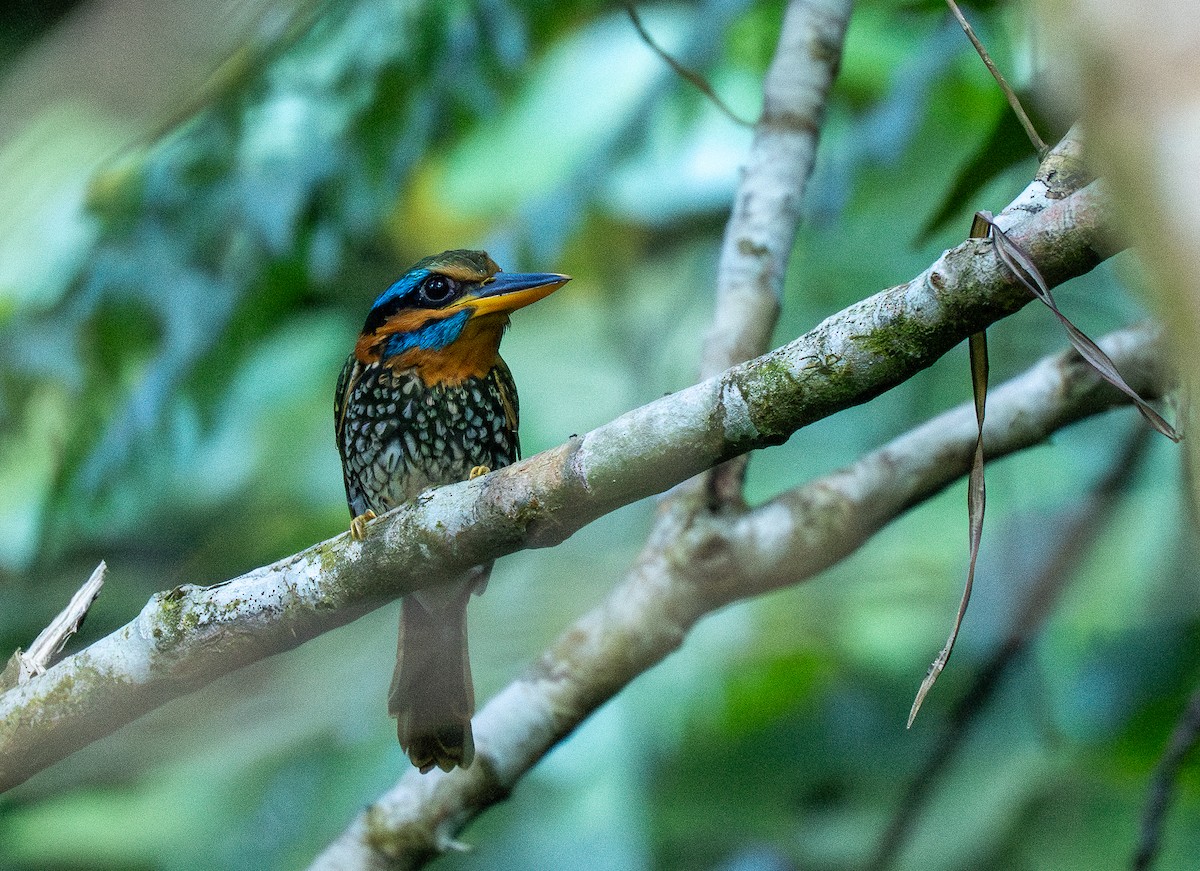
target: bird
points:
(425, 399)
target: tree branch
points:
(420, 818)
(766, 208)
(25, 664)
(190, 636)
(710, 564)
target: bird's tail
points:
(432, 697)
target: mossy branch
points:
(710, 561)
(185, 638)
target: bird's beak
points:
(508, 291)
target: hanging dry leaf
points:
(1027, 273)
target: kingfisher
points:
(425, 399)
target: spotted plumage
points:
(398, 436)
(425, 399)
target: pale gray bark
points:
(27, 664)
(767, 206)
(766, 209)
(705, 550)
(708, 564)
(187, 637)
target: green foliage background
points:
(199, 207)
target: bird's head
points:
(445, 316)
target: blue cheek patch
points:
(431, 337)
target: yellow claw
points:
(477, 471)
(358, 526)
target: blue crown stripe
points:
(402, 287)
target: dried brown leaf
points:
(1012, 256)
(976, 503)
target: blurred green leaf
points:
(1006, 146)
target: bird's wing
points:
(507, 388)
(351, 373)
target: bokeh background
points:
(198, 203)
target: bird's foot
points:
(358, 526)
(477, 471)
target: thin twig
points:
(682, 71)
(1162, 784)
(1045, 591)
(1009, 93)
(28, 664)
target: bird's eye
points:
(437, 289)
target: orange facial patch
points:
(472, 355)
(369, 347)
